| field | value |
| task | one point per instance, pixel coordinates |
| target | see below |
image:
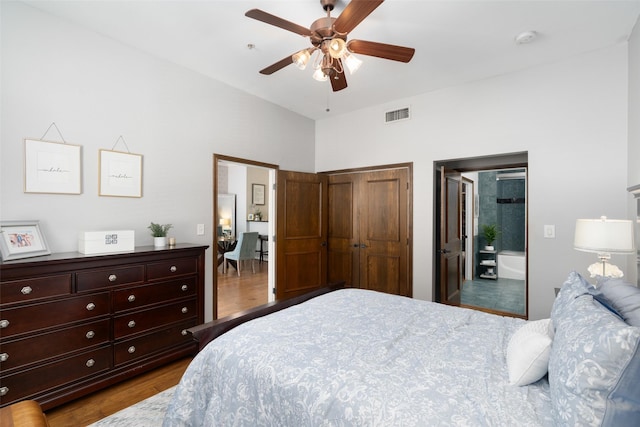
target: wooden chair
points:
(245, 250)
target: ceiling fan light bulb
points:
(352, 63)
(301, 59)
(319, 75)
(337, 48)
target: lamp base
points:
(605, 269)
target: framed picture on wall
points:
(22, 239)
(52, 167)
(120, 174)
(258, 194)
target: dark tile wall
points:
(509, 214)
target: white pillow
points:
(528, 353)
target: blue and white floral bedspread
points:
(360, 358)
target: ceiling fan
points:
(328, 37)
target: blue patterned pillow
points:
(573, 287)
(594, 367)
(622, 297)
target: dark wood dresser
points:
(71, 324)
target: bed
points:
(353, 357)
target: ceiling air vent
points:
(396, 115)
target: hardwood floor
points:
(239, 293)
(103, 403)
(234, 294)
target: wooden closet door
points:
(369, 230)
(344, 244)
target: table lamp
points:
(604, 237)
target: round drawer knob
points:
(184, 332)
(90, 334)
(4, 323)
(4, 391)
(131, 324)
(90, 363)
(113, 277)
(131, 349)
(184, 309)
(131, 298)
(91, 306)
(4, 357)
(184, 287)
(26, 290)
(173, 269)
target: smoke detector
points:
(526, 37)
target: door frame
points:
(272, 220)
(477, 164)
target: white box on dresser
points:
(102, 242)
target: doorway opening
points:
(244, 202)
(491, 193)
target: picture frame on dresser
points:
(22, 239)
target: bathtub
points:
(512, 265)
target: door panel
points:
(383, 225)
(372, 251)
(301, 237)
(384, 274)
(343, 243)
(450, 232)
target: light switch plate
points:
(550, 231)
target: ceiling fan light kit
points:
(328, 36)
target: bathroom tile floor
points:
(501, 294)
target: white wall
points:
(633, 156)
(96, 89)
(570, 117)
(634, 107)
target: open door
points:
(450, 243)
(301, 237)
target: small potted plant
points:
(159, 233)
(490, 233)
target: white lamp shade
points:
(604, 235)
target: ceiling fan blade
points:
(277, 66)
(278, 22)
(354, 13)
(339, 81)
(381, 50)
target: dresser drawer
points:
(108, 277)
(171, 268)
(143, 346)
(35, 288)
(141, 321)
(27, 383)
(40, 347)
(126, 299)
(27, 318)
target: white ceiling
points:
(456, 41)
